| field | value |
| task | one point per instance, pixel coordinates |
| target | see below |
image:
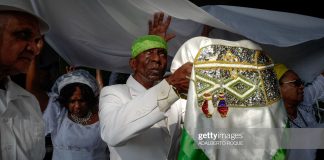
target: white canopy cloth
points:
(98, 33)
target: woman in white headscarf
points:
(71, 118)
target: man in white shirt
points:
(299, 103)
(141, 119)
(21, 124)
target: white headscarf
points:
(54, 113)
(77, 76)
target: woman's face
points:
(77, 105)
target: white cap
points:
(23, 6)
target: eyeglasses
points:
(296, 82)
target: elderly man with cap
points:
(141, 119)
(299, 102)
(299, 99)
(21, 124)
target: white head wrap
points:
(77, 76)
(54, 111)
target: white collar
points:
(135, 88)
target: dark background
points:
(309, 7)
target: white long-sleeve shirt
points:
(137, 123)
(21, 125)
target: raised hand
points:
(160, 27)
(69, 69)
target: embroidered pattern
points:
(244, 76)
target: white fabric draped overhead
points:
(99, 33)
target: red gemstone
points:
(222, 111)
(204, 108)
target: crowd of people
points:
(141, 119)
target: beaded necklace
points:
(82, 120)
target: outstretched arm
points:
(206, 30)
(123, 117)
(99, 78)
(160, 27)
(314, 91)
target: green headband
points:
(147, 42)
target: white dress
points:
(73, 141)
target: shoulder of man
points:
(17, 93)
(117, 89)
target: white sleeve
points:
(315, 91)
(122, 118)
(187, 52)
(52, 114)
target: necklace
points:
(302, 118)
(82, 120)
